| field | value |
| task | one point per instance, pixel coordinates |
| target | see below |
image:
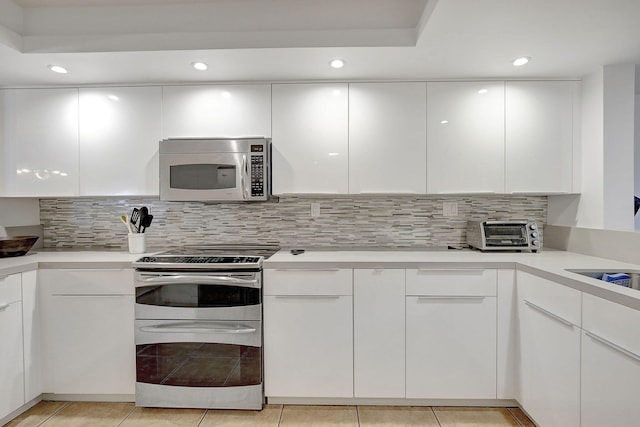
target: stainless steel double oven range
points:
(198, 328)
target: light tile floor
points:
(91, 414)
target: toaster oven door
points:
(506, 235)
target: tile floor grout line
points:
(436, 416)
(128, 415)
(514, 417)
(358, 415)
(206, 411)
(280, 416)
(54, 413)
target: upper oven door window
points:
(198, 291)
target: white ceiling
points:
(155, 41)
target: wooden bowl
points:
(16, 246)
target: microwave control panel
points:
(257, 171)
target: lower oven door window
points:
(198, 353)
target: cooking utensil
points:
(135, 216)
(143, 214)
(125, 221)
(145, 222)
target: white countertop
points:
(550, 264)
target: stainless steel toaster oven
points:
(504, 236)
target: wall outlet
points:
(450, 209)
(315, 210)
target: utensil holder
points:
(137, 243)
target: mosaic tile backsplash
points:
(344, 221)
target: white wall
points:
(619, 123)
(637, 153)
(19, 212)
(586, 210)
(607, 158)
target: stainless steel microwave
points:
(215, 169)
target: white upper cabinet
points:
(387, 138)
(216, 111)
(465, 137)
(539, 136)
(39, 142)
(311, 138)
(120, 130)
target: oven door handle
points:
(204, 280)
(198, 328)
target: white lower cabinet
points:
(11, 351)
(308, 333)
(610, 382)
(550, 318)
(87, 331)
(379, 341)
(31, 338)
(451, 334)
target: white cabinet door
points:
(539, 136)
(31, 327)
(308, 333)
(550, 352)
(120, 131)
(379, 339)
(465, 137)
(311, 138)
(451, 333)
(610, 378)
(39, 142)
(451, 347)
(11, 353)
(610, 383)
(87, 331)
(387, 138)
(308, 346)
(216, 111)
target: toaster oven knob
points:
(533, 226)
(534, 234)
(535, 243)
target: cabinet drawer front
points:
(86, 282)
(10, 289)
(612, 322)
(308, 282)
(551, 297)
(452, 282)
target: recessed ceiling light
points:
(336, 63)
(483, 91)
(113, 97)
(200, 66)
(58, 69)
(444, 122)
(518, 62)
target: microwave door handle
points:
(245, 173)
(204, 280)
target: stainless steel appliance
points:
(198, 328)
(504, 235)
(211, 169)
